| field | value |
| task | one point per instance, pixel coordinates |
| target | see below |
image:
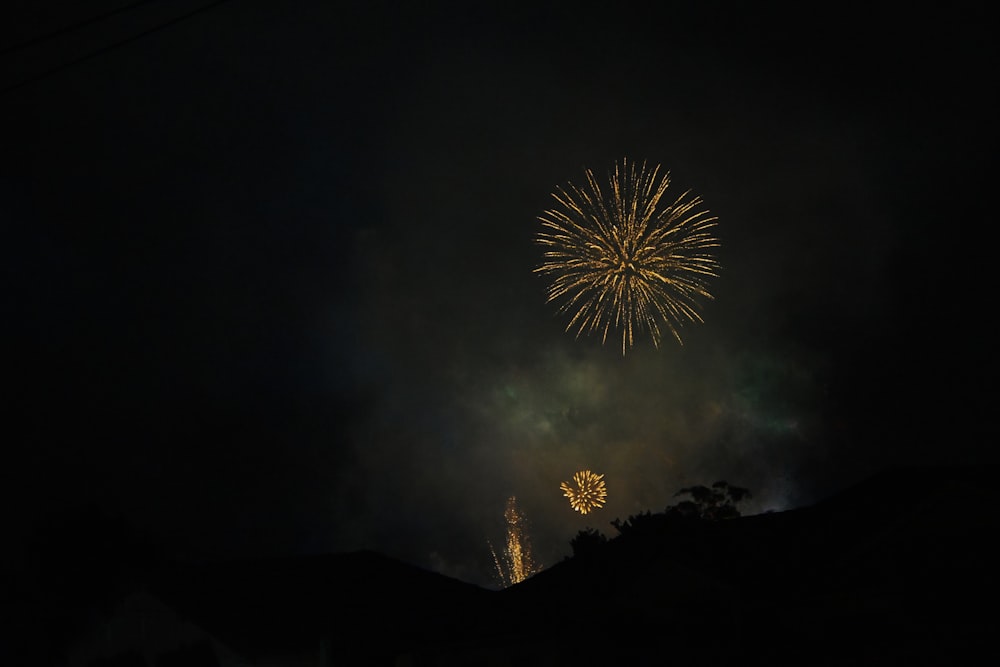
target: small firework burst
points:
(620, 260)
(518, 563)
(589, 493)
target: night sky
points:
(269, 284)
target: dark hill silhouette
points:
(899, 569)
(357, 605)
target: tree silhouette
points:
(643, 523)
(720, 501)
(587, 542)
(704, 503)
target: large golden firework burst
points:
(620, 260)
(589, 493)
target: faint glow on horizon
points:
(619, 261)
(589, 494)
(518, 562)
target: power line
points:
(70, 28)
(111, 47)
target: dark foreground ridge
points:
(900, 569)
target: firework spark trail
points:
(589, 494)
(518, 563)
(624, 262)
